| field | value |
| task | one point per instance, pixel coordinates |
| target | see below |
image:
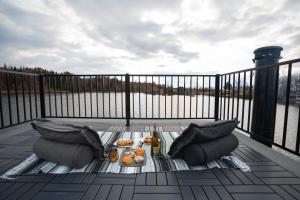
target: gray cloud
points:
(35, 38)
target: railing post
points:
(265, 94)
(217, 95)
(42, 95)
(127, 99)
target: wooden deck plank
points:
(91, 192)
(199, 193)
(103, 192)
(115, 192)
(281, 192)
(156, 189)
(187, 193)
(127, 192)
(256, 196)
(151, 178)
(223, 193)
(58, 196)
(211, 193)
(29, 194)
(291, 191)
(157, 196)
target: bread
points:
(139, 159)
(147, 139)
(125, 142)
(139, 151)
(127, 160)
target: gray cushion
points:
(201, 153)
(69, 133)
(59, 132)
(72, 155)
(201, 133)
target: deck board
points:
(268, 179)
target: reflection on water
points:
(143, 106)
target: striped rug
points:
(33, 164)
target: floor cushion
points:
(201, 133)
(201, 153)
(71, 155)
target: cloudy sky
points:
(149, 36)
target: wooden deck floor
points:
(268, 179)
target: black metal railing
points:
(24, 97)
(19, 98)
(237, 90)
(85, 96)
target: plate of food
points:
(133, 157)
(124, 143)
(146, 139)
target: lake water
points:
(113, 105)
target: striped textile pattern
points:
(33, 164)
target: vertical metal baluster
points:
(132, 90)
(287, 104)
(238, 96)
(140, 97)
(233, 95)
(158, 96)
(79, 90)
(228, 96)
(97, 94)
(60, 90)
(122, 102)
(165, 97)
(1, 108)
(17, 98)
(91, 95)
(209, 97)
(29, 96)
(84, 93)
(184, 97)
(73, 106)
(225, 95)
(221, 96)
(8, 98)
(243, 109)
(178, 97)
(116, 102)
(146, 96)
(171, 97)
(191, 79)
(109, 97)
(298, 132)
(55, 96)
(152, 97)
(35, 99)
(203, 96)
(197, 93)
(103, 113)
(250, 99)
(67, 94)
(49, 96)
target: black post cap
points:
(268, 52)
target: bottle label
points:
(155, 150)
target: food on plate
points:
(147, 139)
(127, 160)
(125, 142)
(139, 159)
(131, 154)
(139, 151)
